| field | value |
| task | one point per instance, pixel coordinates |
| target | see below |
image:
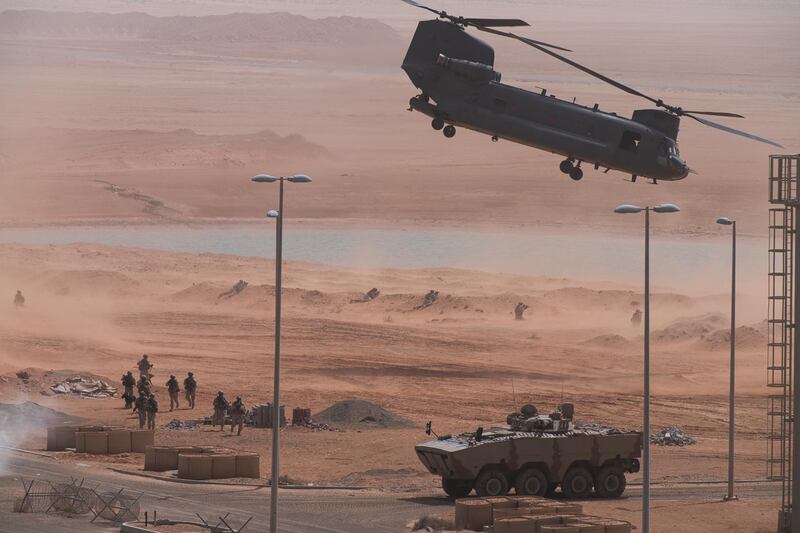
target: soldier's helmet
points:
(130, 373)
(238, 398)
(171, 376)
(191, 374)
(219, 393)
(144, 356)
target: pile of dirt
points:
(746, 338)
(91, 282)
(611, 340)
(360, 413)
(32, 414)
(691, 328)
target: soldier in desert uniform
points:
(220, 406)
(190, 388)
(128, 382)
(144, 385)
(636, 318)
(19, 299)
(152, 409)
(144, 365)
(519, 311)
(140, 408)
(173, 388)
(237, 414)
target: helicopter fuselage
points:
(455, 74)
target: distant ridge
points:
(236, 27)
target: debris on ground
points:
(429, 300)
(672, 436)
(23, 375)
(368, 296)
(360, 413)
(84, 387)
(238, 287)
(186, 424)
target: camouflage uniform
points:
(144, 385)
(152, 409)
(173, 389)
(140, 407)
(128, 381)
(220, 405)
(144, 366)
(190, 388)
(237, 414)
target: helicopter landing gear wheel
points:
(576, 173)
(437, 123)
(449, 131)
(565, 166)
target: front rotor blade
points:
(415, 4)
(541, 47)
(713, 113)
(495, 22)
(734, 131)
(531, 42)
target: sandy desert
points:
(153, 115)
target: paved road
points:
(306, 511)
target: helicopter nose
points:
(680, 166)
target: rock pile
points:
(671, 436)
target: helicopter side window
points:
(630, 141)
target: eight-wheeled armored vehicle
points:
(535, 454)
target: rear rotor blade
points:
(734, 131)
(494, 22)
(712, 113)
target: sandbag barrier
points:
(531, 514)
(197, 463)
(99, 440)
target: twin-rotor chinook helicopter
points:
(460, 87)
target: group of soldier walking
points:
(146, 404)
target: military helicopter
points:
(455, 72)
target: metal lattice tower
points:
(781, 318)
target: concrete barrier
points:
(195, 466)
(95, 442)
(119, 441)
(248, 465)
(223, 466)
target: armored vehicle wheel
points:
(565, 166)
(610, 482)
(457, 488)
(576, 173)
(449, 131)
(437, 123)
(531, 482)
(491, 482)
(577, 483)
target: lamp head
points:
(725, 221)
(299, 178)
(272, 213)
(264, 178)
(666, 208)
(628, 208)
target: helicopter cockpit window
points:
(630, 141)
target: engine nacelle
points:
(471, 70)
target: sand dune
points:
(235, 27)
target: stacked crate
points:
(98, 439)
(262, 415)
(530, 514)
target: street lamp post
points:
(276, 409)
(625, 209)
(728, 222)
